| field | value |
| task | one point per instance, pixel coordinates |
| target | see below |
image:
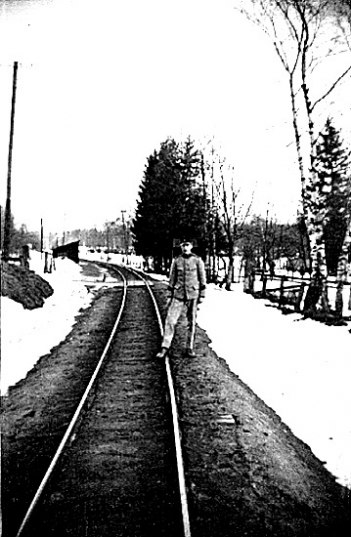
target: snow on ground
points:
(132, 260)
(300, 368)
(26, 335)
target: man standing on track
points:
(186, 289)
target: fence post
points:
(264, 284)
(281, 294)
(299, 297)
(252, 281)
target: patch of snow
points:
(130, 260)
(300, 368)
(26, 335)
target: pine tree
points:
(192, 202)
(171, 201)
(332, 162)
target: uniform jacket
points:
(187, 278)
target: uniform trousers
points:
(175, 309)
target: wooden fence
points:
(290, 291)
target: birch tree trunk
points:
(342, 271)
(229, 274)
(312, 198)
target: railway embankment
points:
(247, 473)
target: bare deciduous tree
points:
(230, 211)
(307, 36)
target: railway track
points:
(118, 469)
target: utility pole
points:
(41, 238)
(265, 249)
(124, 233)
(108, 235)
(7, 222)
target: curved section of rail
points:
(76, 415)
(176, 429)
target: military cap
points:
(183, 239)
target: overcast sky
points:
(102, 84)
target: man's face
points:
(186, 247)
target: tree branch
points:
(331, 88)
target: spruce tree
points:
(332, 165)
(171, 201)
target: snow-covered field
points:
(300, 368)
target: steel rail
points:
(75, 417)
(175, 419)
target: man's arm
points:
(201, 274)
(172, 280)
